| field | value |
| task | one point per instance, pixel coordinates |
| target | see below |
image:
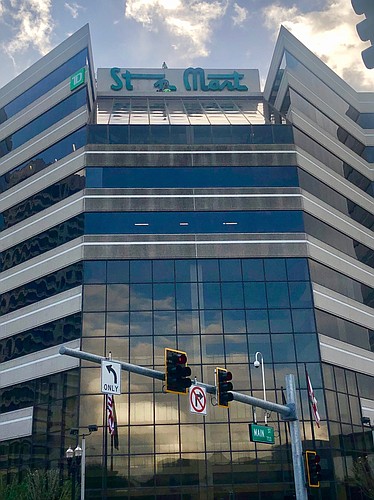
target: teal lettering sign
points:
(161, 84)
(229, 81)
(261, 434)
(194, 79)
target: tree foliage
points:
(363, 477)
(37, 485)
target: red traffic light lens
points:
(182, 359)
(228, 376)
(317, 459)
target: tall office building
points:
(185, 208)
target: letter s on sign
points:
(114, 74)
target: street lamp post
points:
(77, 460)
(74, 458)
(256, 365)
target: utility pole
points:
(288, 412)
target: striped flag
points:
(112, 420)
(313, 400)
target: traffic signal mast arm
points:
(287, 411)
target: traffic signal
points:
(313, 468)
(223, 385)
(177, 371)
(365, 28)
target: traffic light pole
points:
(288, 412)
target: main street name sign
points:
(190, 81)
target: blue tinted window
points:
(297, 269)
(275, 270)
(94, 271)
(140, 271)
(283, 348)
(197, 222)
(255, 296)
(163, 270)
(277, 294)
(230, 270)
(280, 320)
(257, 321)
(43, 159)
(192, 177)
(234, 321)
(118, 271)
(232, 296)
(300, 294)
(185, 270)
(209, 296)
(44, 121)
(253, 270)
(306, 347)
(45, 85)
(303, 320)
(193, 134)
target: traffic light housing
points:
(365, 28)
(223, 385)
(176, 372)
(313, 469)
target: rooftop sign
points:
(191, 81)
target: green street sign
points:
(261, 434)
(77, 79)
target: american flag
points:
(112, 420)
(313, 400)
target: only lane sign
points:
(110, 377)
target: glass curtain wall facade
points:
(42, 136)
(218, 224)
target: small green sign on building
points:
(261, 434)
(77, 79)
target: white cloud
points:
(32, 24)
(190, 22)
(330, 34)
(240, 15)
(73, 8)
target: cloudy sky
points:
(209, 33)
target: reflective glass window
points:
(186, 295)
(255, 295)
(37, 245)
(44, 121)
(232, 296)
(42, 288)
(303, 320)
(209, 296)
(185, 270)
(118, 271)
(280, 320)
(275, 269)
(253, 270)
(192, 177)
(195, 222)
(45, 85)
(300, 294)
(257, 321)
(141, 297)
(94, 271)
(277, 294)
(283, 349)
(43, 159)
(234, 321)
